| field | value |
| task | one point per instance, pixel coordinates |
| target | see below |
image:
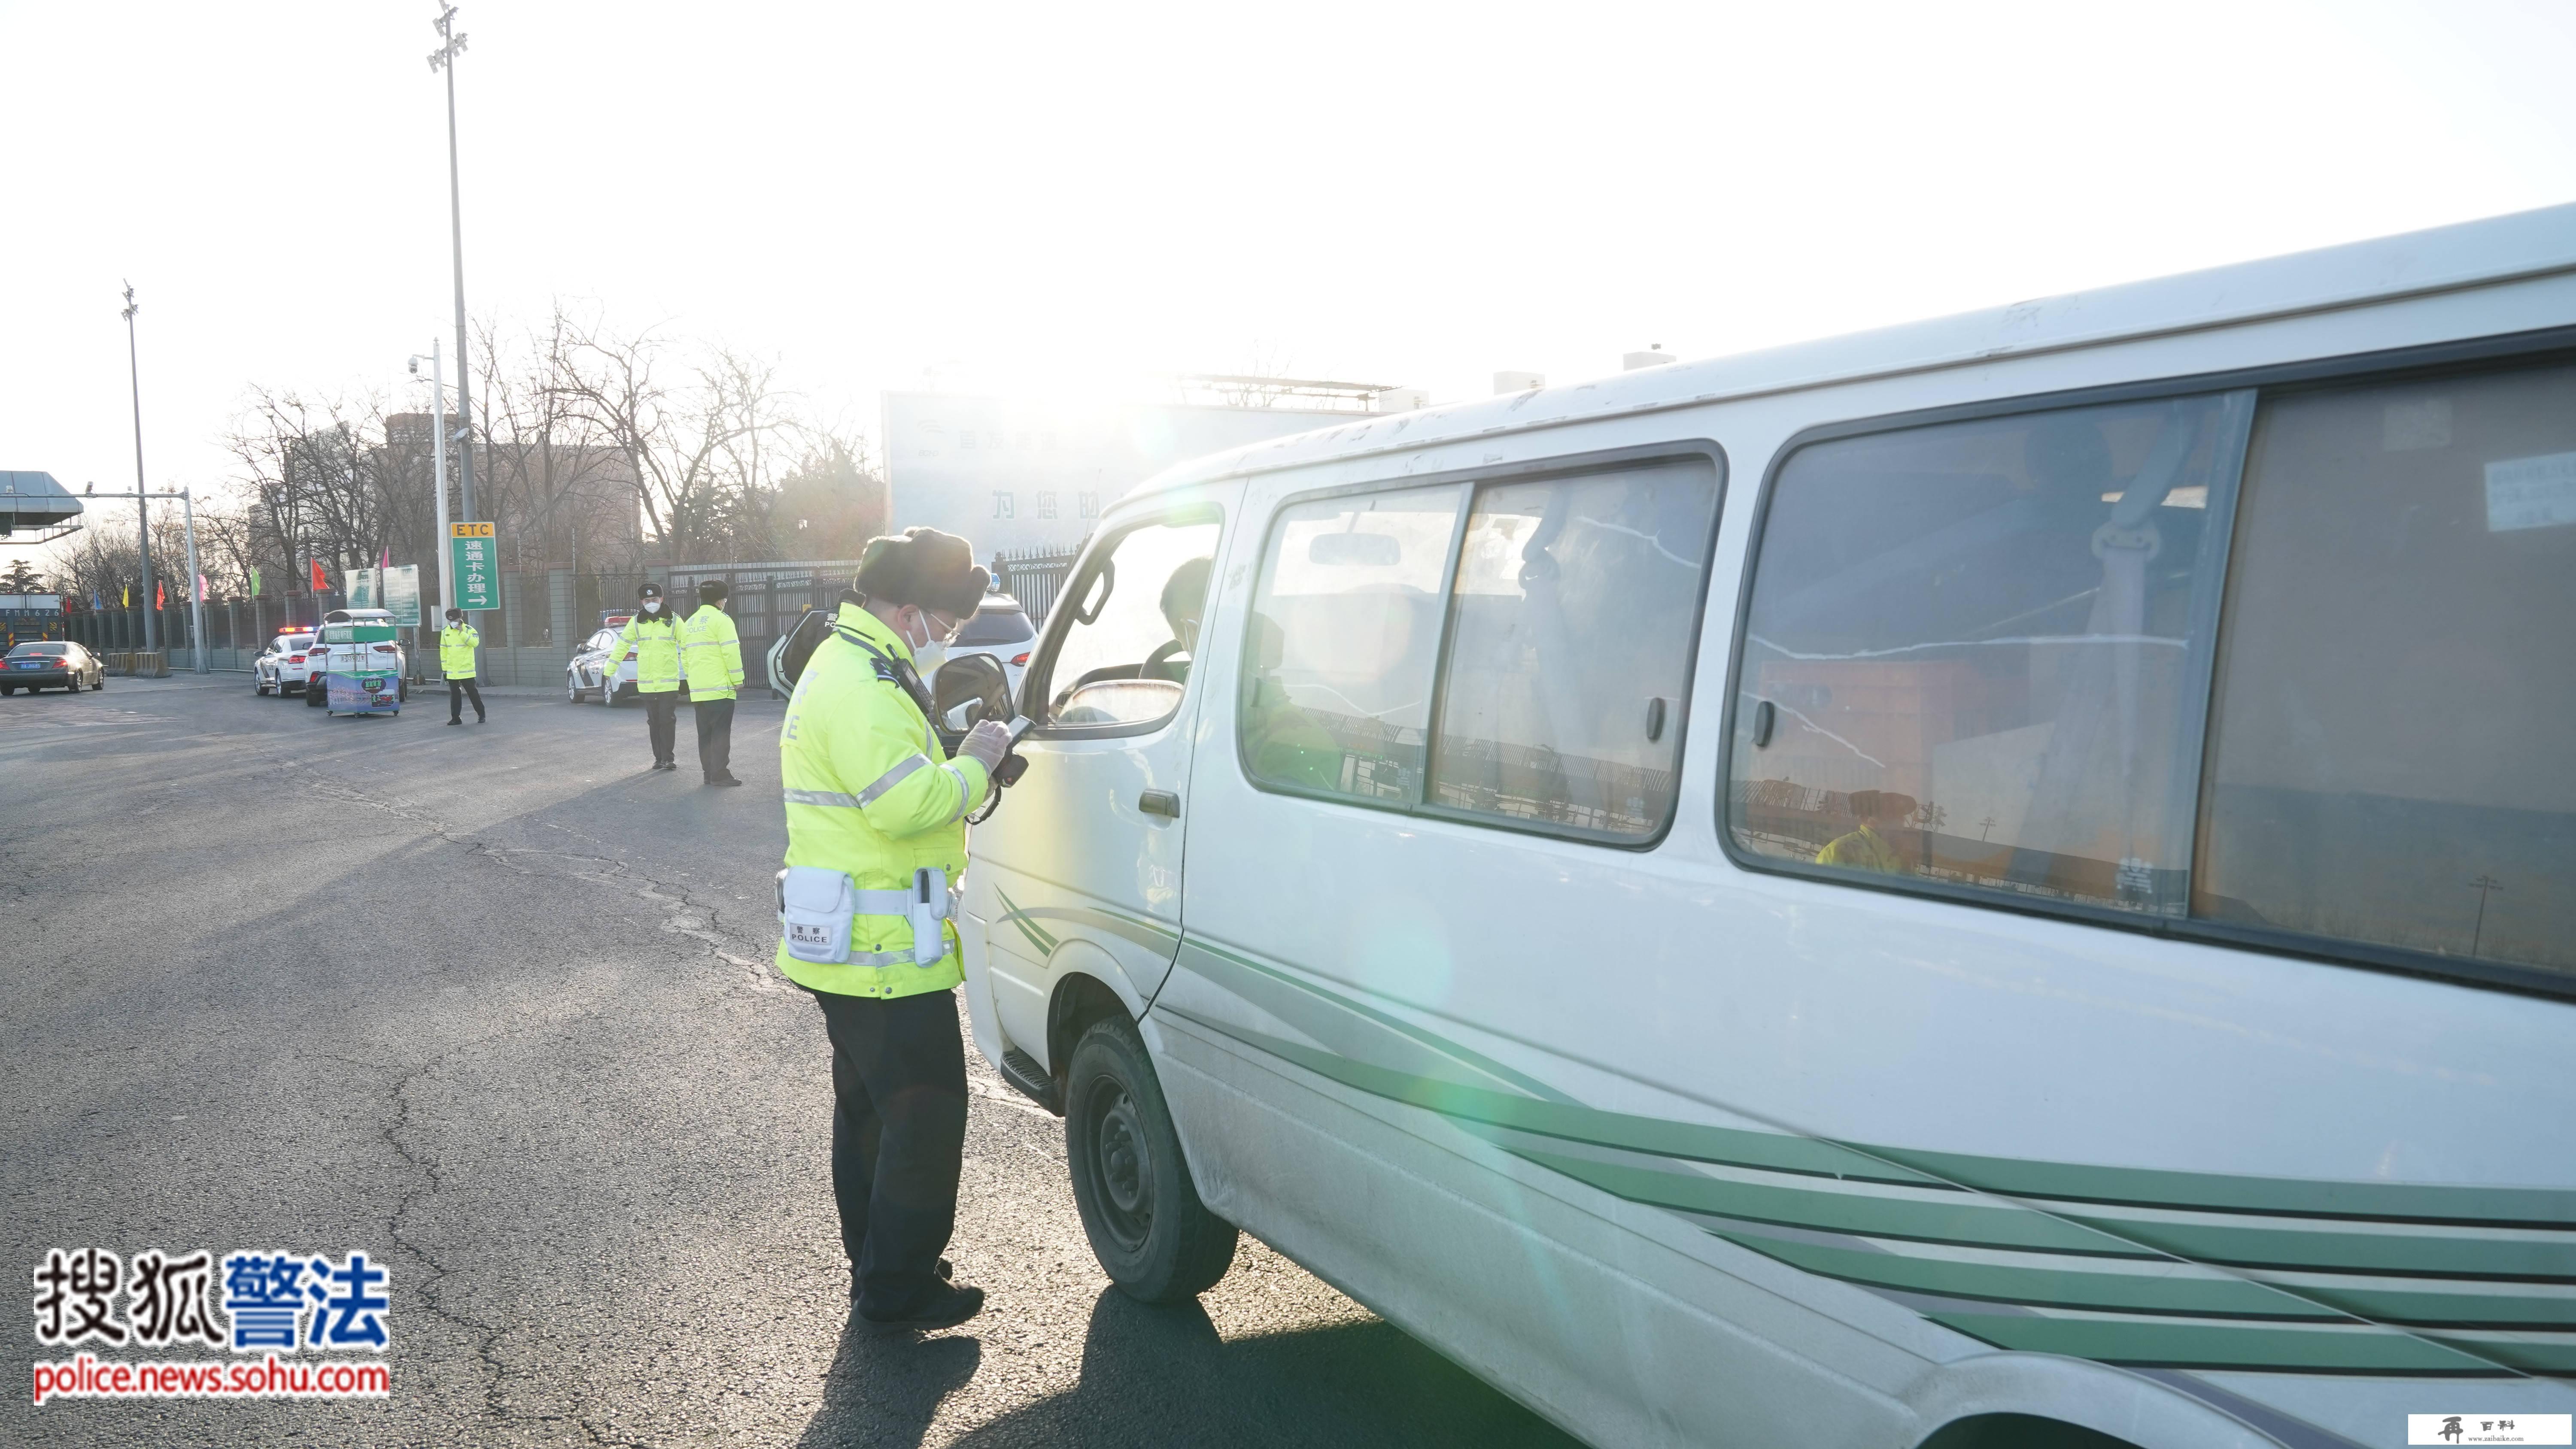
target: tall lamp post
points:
(143, 541)
(438, 470)
(451, 45)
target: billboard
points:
(1034, 473)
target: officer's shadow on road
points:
(883, 1389)
(1162, 1376)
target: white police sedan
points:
(285, 664)
(592, 673)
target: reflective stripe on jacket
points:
(456, 650)
(710, 654)
(871, 793)
(656, 642)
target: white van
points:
(2010, 880)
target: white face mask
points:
(652, 606)
(929, 651)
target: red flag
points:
(319, 582)
(160, 595)
(385, 560)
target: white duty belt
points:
(817, 907)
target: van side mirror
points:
(971, 679)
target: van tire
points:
(1153, 1236)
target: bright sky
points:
(1405, 194)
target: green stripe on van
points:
(1691, 1141)
(1959, 1219)
(2214, 1192)
(1151, 935)
(2071, 1286)
(1037, 938)
(2253, 1243)
(2506, 1235)
(1230, 968)
(2436, 1305)
(2163, 1343)
(2555, 1357)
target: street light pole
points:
(438, 470)
(196, 591)
(452, 44)
(143, 510)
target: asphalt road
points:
(492, 1004)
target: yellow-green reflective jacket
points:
(871, 793)
(1863, 849)
(456, 650)
(655, 638)
(710, 654)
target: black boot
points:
(953, 1304)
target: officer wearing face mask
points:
(876, 849)
(655, 637)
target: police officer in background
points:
(711, 660)
(456, 645)
(655, 637)
(876, 843)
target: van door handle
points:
(1160, 802)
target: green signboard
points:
(476, 555)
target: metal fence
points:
(236, 629)
(1034, 577)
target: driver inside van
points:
(1184, 605)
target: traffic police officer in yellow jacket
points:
(655, 637)
(711, 660)
(876, 846)
(456, 645)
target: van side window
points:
(1575, 609)
(2389, 754)
(1971, 651)
(1124, 658)
(1339, 652)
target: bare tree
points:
(700, 437)
(551, 472)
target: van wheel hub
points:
(1124, 1168)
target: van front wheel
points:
(1140, 1209)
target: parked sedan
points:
(1000, 627)
(58, 663)
(591, 670)
(285, 664)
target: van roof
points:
(2497, 249)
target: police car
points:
(286, 663)
(593, 673)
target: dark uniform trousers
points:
(662, 722)
(898, 1137)
(715, 736)
(460, 690)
